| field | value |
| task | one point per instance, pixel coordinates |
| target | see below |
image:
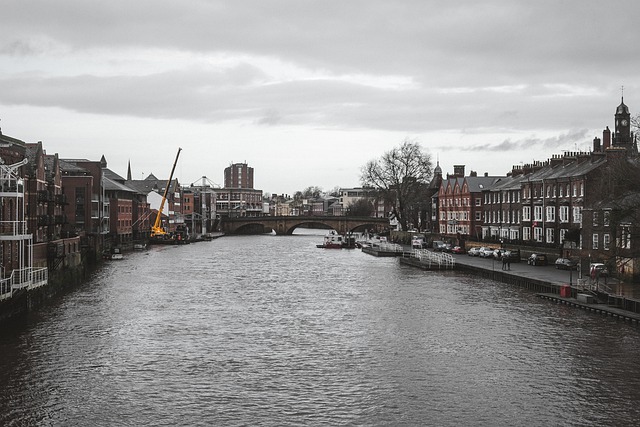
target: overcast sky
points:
(306, 92)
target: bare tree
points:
(399, 176)
(360, 207)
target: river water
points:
(270, 330)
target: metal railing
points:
(5, 289)
(13, 228)
(441, 260)
(389, 247)
(29, 278)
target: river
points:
(270, 330)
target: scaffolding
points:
(16, 244)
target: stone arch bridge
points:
(284, 225)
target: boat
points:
(114, 254)
(334, 240)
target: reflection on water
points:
(270, 330)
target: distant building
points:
(238, 198)
(460, 201)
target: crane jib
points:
(156, 227)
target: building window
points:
(564, 213)
(606, 241)
(526, 213)
(595, 218)
(551, 213)
(526, 233)
(537, 213)
(625, 237)
(550, 235)
(577, 215)
(478, 216)
(537, 234)
(594, 241)
(605, 218)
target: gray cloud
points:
(495, 70)
(563, 142)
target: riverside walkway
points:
(608, 297)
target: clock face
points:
(624, 123)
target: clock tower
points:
(622, 135)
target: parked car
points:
(474, 251)
(486, 252)
(498, 253)
(513, 255)
(596, 267)
(457, 250)
(537, 259)
(438, 245)
(566, 264)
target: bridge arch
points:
(285, 225)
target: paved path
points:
(546, 273)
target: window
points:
(625, 237)
(537, 213)
(605, 218)
(606, 241)
(478, 216)
(594, 241)
(595, 218)
(537, 234)
(526, 213)
(550, 235)
(563, 231)
(577, 215)
(478, 201)
(564, 213)
(551, 213)
(526, 233)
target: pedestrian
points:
(504, 262)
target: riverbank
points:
(608, 297)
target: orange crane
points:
(157, 231)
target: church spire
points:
(129, 171)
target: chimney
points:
(473, 173)
(556, 160)
(569, 157)
(458, 170)
(597, 144)
(606, 139)
(486, 174)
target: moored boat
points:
(334, 240)
(114, 254)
